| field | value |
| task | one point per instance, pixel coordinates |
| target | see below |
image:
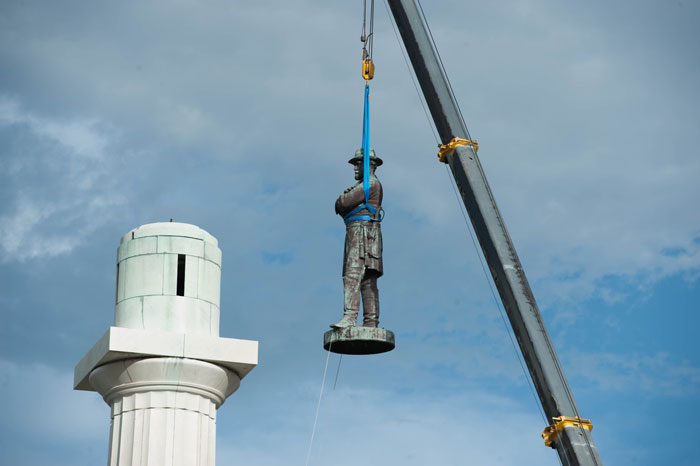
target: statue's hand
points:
(337, 206)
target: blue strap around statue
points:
(365, 146)
(365, 171)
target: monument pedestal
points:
(163, 368)
(359, 340)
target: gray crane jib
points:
(574, 445)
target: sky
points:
(239, 117)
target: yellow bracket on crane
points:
(367, 69)
(551, 433)
(447, 149)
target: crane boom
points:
(569, 434)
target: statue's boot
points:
(371, 316)
(348, 320)
(370, 302)
(351, 295)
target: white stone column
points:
(163, 409)
(163, 368)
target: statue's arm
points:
(351, 198)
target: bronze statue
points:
(362, 262)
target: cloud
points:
(241, 118)
(561, 103)
(374, 426)
(80, 137)
(578, 207)
(41, 409)
(655, 375)
(58, 181)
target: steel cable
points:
(410, 73)
(560, 371)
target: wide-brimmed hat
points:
(359, 154)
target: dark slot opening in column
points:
(181, 275)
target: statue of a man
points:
(362, 263)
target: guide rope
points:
(320, 397)
(318, 406)
(337, 372)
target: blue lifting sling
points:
(376, 215)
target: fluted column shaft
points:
(163, 409)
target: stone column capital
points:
(177, 375)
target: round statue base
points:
(359, 340)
